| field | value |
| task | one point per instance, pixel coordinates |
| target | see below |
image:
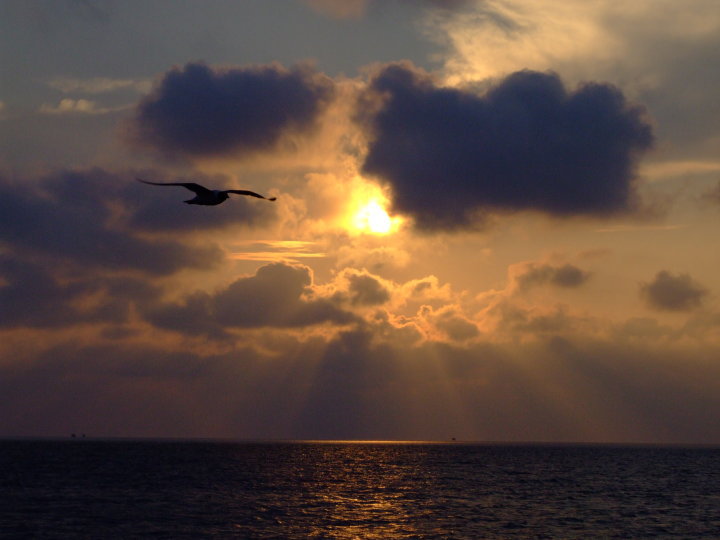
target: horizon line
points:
(449, 442)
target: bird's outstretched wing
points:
(192, 186)
(250, 193)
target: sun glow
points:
(361, 206)
(370, 216)
(373, 218)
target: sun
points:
(373, 218)
(365, 210)
(370, 217)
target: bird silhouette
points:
(205, 196)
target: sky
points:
(496, 220)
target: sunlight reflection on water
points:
(343, 490)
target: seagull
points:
(205, 196)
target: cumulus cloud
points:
(278, 295)
(451, 322)
(283, 295)
(511, 313)
(274, 296)
(366, 290)
(528, 143)
(359, 288)
(198, 111)
(540, 373)
(669, 292)
(426, 291)
(656, 51)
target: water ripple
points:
(347, 491)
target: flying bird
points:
(205, 196)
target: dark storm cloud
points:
(528, 143)
(71, 217)
(273, 297)
(200, 111)
(670, 292)
(567, 275)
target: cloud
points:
(451, 322)
(201, 111)
(426, 291)
(279, 295)
(511, 313)
(359, 288)
(71, 217)
(351, 386)
(657, 52)
(366, 290)
(668, 292)
(376, 259)
(531, 275)
(77, 106)
(97, 85)
(498, 37)
(641, 329)
(274, 296)
(277, 250)
(528, 143)
(506, 320)
(31, 297)
(542, 374)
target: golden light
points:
(373, 218)
(365, 209)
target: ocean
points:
(204, 489)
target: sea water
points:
(172, 489)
